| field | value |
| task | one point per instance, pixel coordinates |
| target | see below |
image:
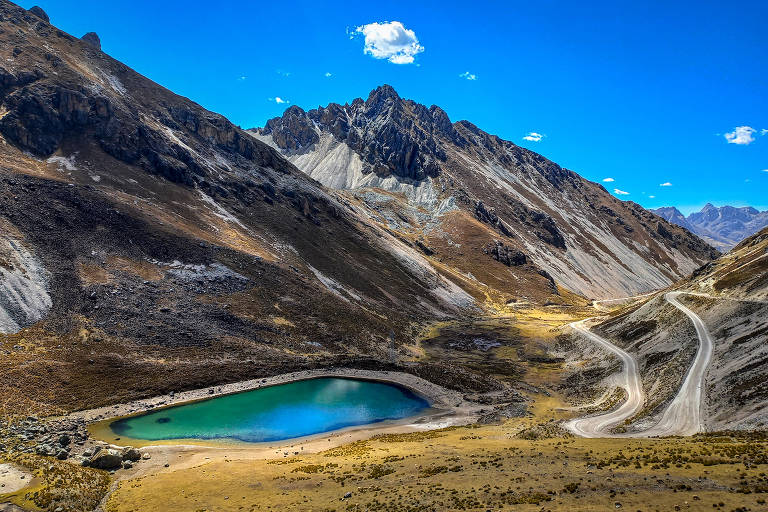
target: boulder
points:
(92, 38)
(106, 459)
(131, 453)
(40, 13)
(45, 449)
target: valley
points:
(361, 306)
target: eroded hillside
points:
(150, 242)
(482, 197)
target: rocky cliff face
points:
(573, 229)
(722, 227)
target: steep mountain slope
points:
(475, 192)
(149, 244)
(730, 295)
(723, 227)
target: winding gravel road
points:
(681, 417)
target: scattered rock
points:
(45, 449)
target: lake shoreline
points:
(448, 405)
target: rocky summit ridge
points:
(574, 230)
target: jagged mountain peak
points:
(383, 92)
(551, 214)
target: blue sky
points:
(640, 92)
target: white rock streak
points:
(24, 297)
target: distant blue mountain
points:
(723, 227)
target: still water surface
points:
(279, 412)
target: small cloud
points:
(279, 100)
(242, 77)
(620, 192)
(765, 170)
(534, 137)
(747, 180)
(764, 131)
(651, 197)
(389, 40)
(608, 180)
(468, 75)
(283, 73)
(328, 75)
(665, 184)
(742, 135)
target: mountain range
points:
(722, 227)
(461, 191)
(181, 250)
(152, 253)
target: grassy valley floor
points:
(522, 463)
(472, 468)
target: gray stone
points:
(45, 449)
(131, 453)
(106, 459)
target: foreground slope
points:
(148, 244)
(476, 193)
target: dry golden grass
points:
(472, 468)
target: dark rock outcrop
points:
(40, 13)
(488, 216)
(92, 38)
(392, 136)
(293, 131)
(504, 254)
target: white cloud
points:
(328, 75)
(390, 40)
(534, 137)
(764, 131)
(468, 75)
(765, 170)
(279, 100)
(608, 180)
(741, 135)
(620, 192)
(283, 73)
(651, 197)
(665, 184)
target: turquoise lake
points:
(275, 413)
